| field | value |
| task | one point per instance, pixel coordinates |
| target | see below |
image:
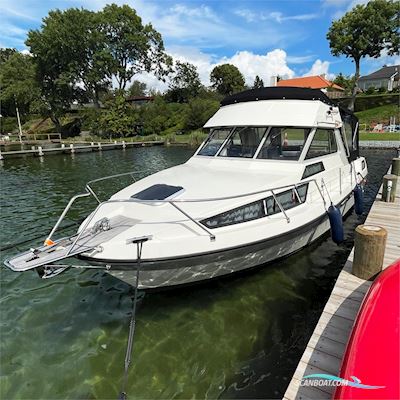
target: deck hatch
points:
(157, 192)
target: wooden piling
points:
(369, 251)
(389, 188)
(396, 166)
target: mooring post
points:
(396, 166)
(123, 144)
(369, 251)
(33, 147)
(71, 146)
(63, 145)
(92, 144)
(40, 151)
(389, 188)
(1, 156)
(99, 145)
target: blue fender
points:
(336, 222)
(358, 199)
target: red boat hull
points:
(373, 352)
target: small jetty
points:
(76, 148)
(325, 349)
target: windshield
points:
(243, 142)
(273, 143)
(284, 143)
(214, 141)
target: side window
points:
(259, 209)
(344, 140)
(214, 142)
(287, 199)
(323, 143)
(243, 143)
(236, 216)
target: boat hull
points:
(186, 270)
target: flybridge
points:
(277, 93)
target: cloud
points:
(277, 16)
(249, 64)
(320, 68)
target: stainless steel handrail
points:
(90, 191)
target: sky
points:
(262, 37)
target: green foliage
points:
(366, 30)
(199, 111)
(185, 83)
(137, 88)
(160, 117)
(226, 79)
(117, 120)
(258, 83)
(131, 47)
(8, 124)
(346, 82)
(379, 114)
(6, 53)
(17, 76)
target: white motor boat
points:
(256, 190)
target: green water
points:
(238, 337)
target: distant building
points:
(315, 82)
(137, 101)
(386, 77)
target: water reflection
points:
(238, 337)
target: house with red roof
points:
(314, 82)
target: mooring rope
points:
(132, 324)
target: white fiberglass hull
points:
(187, 270)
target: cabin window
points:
(323, 143)
(287, 199)
(313, 169)
(243, 142)
(214, 142)
(245, 213)
(284, 143)
(259, 209)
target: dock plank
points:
(326, 347)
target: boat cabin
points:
(281, 124)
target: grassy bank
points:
(379, 114)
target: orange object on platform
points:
(49, 242)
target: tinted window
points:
(284, 143)
(259, 209)
(214, 142)
(323, 143)
(313, 169)
(243, 143)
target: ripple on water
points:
(239, 337)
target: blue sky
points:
(263, 37)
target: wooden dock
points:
(325, 350)
(73, 148)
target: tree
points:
(346, 82)
(6, 53)
(137, 88)
(226, 79)
(118, 119)
(364, 31)
(199, 112)
(131, 47)
(258, 83)
(185, 83)
(70, 47)
(17, 77)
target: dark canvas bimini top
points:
(277, 93)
